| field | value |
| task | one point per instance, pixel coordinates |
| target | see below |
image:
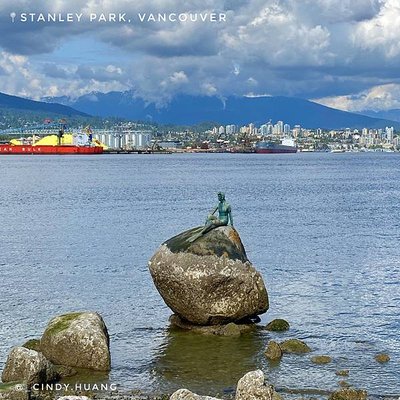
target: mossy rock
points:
(273, 351)
(321, 359)
(342, 372)
(32, 344)
(348, 394)
(382, 358)
(278, 325)
(61, 323)
(295, 346)
(78, 339)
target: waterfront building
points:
(286, 129)
(389, 131)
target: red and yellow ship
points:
(54, 144)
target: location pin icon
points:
(13, 15)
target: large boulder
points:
(209, 281)
(30, 366)
(77, 340)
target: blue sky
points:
(342, 53)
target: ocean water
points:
(76, 233)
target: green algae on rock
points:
(273, 351)
(348, 394)
(32, 344)
(278, 325)
(77, 340)
(295, 346)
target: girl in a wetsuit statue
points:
(224, 217)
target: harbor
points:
(332, 280)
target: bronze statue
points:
(224, 217)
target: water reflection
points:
(206, 364)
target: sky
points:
(341, 53)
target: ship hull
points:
(274, 148)
(28, 149)
(276, 151)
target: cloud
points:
(338, 51)
(377, 98)
(381, 33)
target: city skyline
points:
(343, 54)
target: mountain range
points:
(191, 110)
(14, 103)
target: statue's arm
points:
(214, 210)
(230, 215)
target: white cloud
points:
(377, 98)
(381, 32)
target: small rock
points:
(252, 386)
(273, 351)
(294, 346)
(382, 358)
(348, 394)
(77, 340)
(344, 384)
(28, 366)
(321, 359)
(184, 394)
(342, 372)
(278, 325)
(73, 398)
(32, 344)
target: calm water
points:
(76, 234)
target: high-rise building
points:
(286, 129)
(389, 131)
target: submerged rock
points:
(28, 366)
(342, 372)
(209, 281)
(382, 358)
(273, 351)
(77, 340)
(321, 359)
(348, 394)
(294, 346)
(253, 386)
(278, 325)
(230, 329)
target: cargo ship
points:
(54, 144)
(286, 146)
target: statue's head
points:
(221, 196)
